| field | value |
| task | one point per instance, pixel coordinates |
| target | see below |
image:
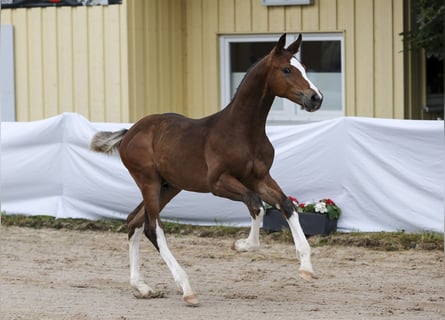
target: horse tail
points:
(106, 141)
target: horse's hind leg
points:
(135, 223)
(156, 196)
(178, 273)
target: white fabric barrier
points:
(386, 175)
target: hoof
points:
(191, 301)
(306, 275)
(148, 295)
(240, 245)
(243, 245)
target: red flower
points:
(301, 205)
(329, 201)
(293, 199)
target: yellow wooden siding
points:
(196, 49)
(70, 59)
(156, 57)
(121, 62)
(383, 60)
(346, 19)
(398, 62)
(364, 67)
(372, 47)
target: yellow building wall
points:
(122, 62)
(156, 46)
(372, 47)
(70, 59)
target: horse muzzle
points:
(312, 101)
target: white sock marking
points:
(301, 244)
(178, 273)
(253, 240)
(136, 280)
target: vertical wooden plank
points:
(96, 63)
(177, 45)
(129, 16)
(65, 59)
(35, 59)
(328, 15)
(163, 67)
(194, 79)
(383, 59)
(226, 16)
(131, 27)
(6, 16)
(364, 44)
(124, 62)
(112, 59)
(136, 11)
(346, 22)
(310, 18)
(398, 70)
(243, 19)
(20, 22)
(142, 60)
(50, 81)
(210, 56)
(259, 17)
(293, 19)
(81, 80)
(276, 19)
(151, 35)
(413, 70)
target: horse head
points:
(288, 78)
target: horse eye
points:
(286, 70)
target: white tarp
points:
(386, 175)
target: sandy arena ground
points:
(58, 274)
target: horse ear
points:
(279, 47)
(294, 46)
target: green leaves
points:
(427, 33)
(334, 212)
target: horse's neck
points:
(252, 102)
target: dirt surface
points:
(57, 274)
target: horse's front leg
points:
(302, 246)
(272, 194)
(252, 242)
(230, 187)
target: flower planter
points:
(311, 223)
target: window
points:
(322, 54)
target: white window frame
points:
(285, 116)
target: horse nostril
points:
(315, 97)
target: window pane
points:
(242, 56)
(321, 56)
(323, 65)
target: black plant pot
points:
(311, 223)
